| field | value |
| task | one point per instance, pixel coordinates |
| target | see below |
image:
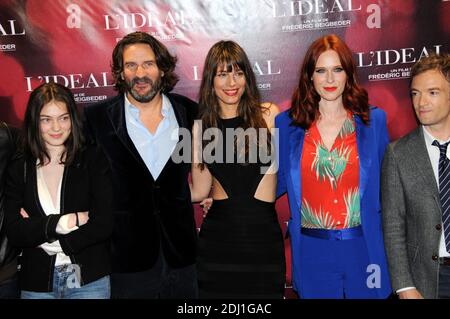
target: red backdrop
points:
(71, 41)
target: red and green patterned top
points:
(330, 179)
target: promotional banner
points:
(71, 41)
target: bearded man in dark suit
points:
(154, 239)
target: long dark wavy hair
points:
(33, 144)
(305, 100)
(230, 55)
(164, 60)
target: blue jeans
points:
(65, 287)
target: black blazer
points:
(148, 214)
(8, 253)
(86, 186)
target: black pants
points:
(159, 282)
(9, 289)
(444, 282)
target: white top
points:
(47, 205)
(154, 149)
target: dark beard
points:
(155, 88)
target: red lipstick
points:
(330, 88)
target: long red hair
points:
(305, 100)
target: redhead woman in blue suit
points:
(331, 144)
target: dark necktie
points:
(444, 190)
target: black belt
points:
(444, 261)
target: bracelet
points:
(77, 223)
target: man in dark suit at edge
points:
(416, 189)
(9, 282)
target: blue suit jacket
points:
(371, 141)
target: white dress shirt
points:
(155, 149)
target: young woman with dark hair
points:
(240, 252)
(58, 203)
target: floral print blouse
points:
(330, 179)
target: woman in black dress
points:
(240, 252)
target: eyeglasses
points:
(237, 76)
(132, 66)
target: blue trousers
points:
(63, 288)
(336, 269)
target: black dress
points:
(241, 250)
